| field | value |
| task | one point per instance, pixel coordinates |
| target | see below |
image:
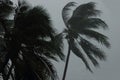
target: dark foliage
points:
(27, 46)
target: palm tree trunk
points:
(66, 64)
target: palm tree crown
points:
(79, 28)
(26, 48)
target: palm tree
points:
(27, 47)
(79, 29)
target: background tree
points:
(27, 46)
(80, 27)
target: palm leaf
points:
(97, 36)
(52, 70)
(78, 23)
(58, 45)
(92, 49)
(42, 66)
(52, 56)
(51, 49)
(86, 10)
(93, 60)
(65, 11)
(78, 53)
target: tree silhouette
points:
(79, 29)
(27, 47)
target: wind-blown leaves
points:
(78, 23)
(51, 49)
(97, 36)
(65, 11)
(31, 43)
(46, 71)
(82, 23)
(78, 53)
(93, 60)
(86, 10)
(58, 45)
(92, 49)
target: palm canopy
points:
(82, 23)
(35, 33)
(29, 45)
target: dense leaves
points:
(27, 45)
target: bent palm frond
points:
(79, 54)
(86, 10)
(97, 36)
(78, 23)
(46, 71)
(65, 11)
(92, 49)
(52, 48)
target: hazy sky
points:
(110, 69)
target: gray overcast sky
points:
(110, 69)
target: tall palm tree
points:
(79, 29)
(27, 47)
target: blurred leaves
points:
(81, 27)
(29, 45)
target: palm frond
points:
(65, 11)
(97, 36)
(41, 66)
(51, 49)
(52, 56)
(93, 60)
(79, 54)
(78, 23)
(86, 10)
(58, 45)
(91, 49)
(52, 70)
